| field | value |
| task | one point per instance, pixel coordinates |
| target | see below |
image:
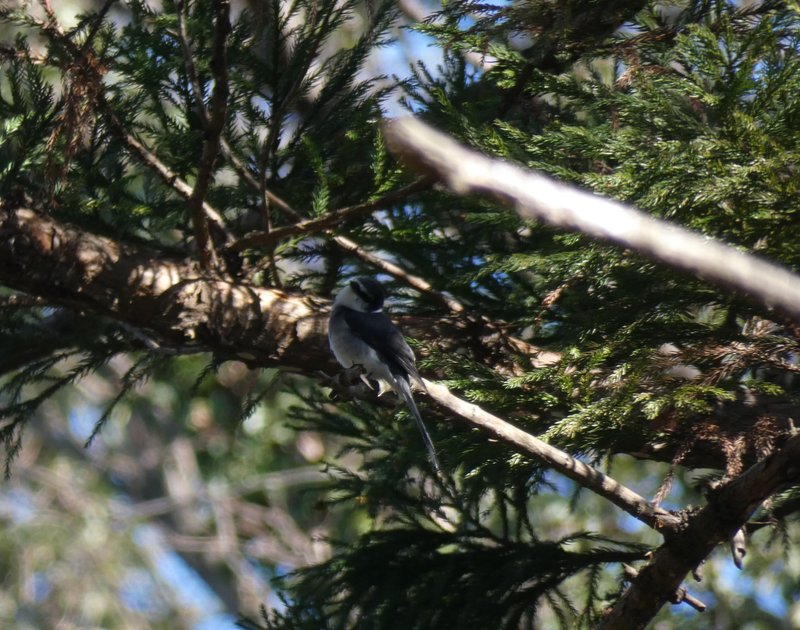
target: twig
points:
(216, 122)
(98, 22)
(588, 477)
(535, 196)
(389, 268)
(188, 59)
(352, 247)
(680, 596)
(332, 219)
(169, 176)
(414, 11)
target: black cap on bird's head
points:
(369, 291)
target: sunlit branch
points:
(534, 196)
(588, 477)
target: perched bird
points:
(360, 334)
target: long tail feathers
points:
(405, 391)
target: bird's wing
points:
(378, 331)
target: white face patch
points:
(347, 297)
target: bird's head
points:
(362, 294)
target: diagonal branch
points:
(330, 220)
(535, 196)
(344, 243)
(396, 271)
(151, 160)
(726, 512)
(588, 477)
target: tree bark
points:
(171, 302)
(727, 511)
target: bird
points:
(360, 334)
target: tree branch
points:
(180, 305)
(172, 301)
(588, 477)
(213, 133)
(535, 196)
(726, 512)
(330, 220)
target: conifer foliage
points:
(199, 178)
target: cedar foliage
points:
(686, 110)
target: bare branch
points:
(680, 596)
(213, 132)
(149, 158)
(330, 220)
(535, 196)
(389, 268)
(588, 477)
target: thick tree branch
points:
(176, 306)
(726, 512)
(172, 301)
(535, 196)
